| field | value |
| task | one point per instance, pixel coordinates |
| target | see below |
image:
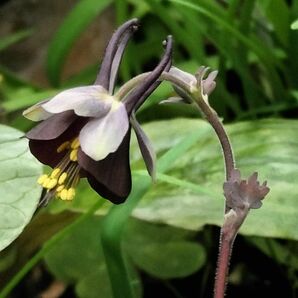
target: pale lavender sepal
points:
(146, 147)
(102, 136)
(209, 83)
(173, 100)
(182, 75)
(89, 101)
(37, 112)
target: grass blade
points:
(74, 24)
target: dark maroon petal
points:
(137, 96)
(104, 74)
(110, 177)
(52, 127)
(46, 150)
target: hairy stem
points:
(232, 223)
(227, 233)
(222, 270)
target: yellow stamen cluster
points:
(64, 178)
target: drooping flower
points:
(85, 131)
(185, 84)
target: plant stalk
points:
(222, 270)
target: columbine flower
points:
(244, 194)
(85, 131)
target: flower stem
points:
(232, 223)
(222, 270)
(219, 129)
(45, 249)
(211, 117)
(227, 232)
(132, 83)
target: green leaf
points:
(19, 192)
(252, 43)
(74, 24)
(95, 284)
(281, 253)
(170, 260)
(21, 98)
(9, 40)
(164, 253)
(294, 25)
(84, 241)
(78, 258)
(277, 12)
(267, 146)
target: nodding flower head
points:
(244, 194)
(185, 84)
(85, 131)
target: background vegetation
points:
(169, 230)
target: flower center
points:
(63, 179)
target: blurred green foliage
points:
(254, 46)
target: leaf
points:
(19, 192)
(252, 43)
(294, 25)
(11, 39)
(84, 241)
(165, 252)
(278, 13)
(281, 253)
(21, 98)
(94, 284)
(170, 260)
(78, 258)
(97, 283)
(267, 146)
(74, 24)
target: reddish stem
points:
(225, 251)
(218, 127)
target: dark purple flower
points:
(85, 131)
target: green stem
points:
(111, 235)
(45, 249)
(114, 223)
(132, 83)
